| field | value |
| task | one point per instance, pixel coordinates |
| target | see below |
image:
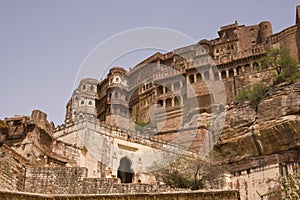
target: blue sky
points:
(43, 43)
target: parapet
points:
(230, 26)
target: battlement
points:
(230, 26)
(117, 132)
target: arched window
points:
(82, 102)
(168, 102)
(160, 90)
(160, 103)
(90, 103)
(191, 78)
(255, 66)
(223, 74)
(199, 77)
(168, 88)
(216, 76)
(247, 68)
(206, 75)
(239, 70)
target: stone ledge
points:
(191, 195)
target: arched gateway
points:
(125, 173)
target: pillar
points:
(211, 74)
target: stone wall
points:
(54, 180)
(73, 180)
(196, 195)
(12, 170)
(253, 183)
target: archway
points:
(125, 173)
(223, 74)
(247, 68)
(191, 78)
(169, 103)
(239, 70)
(255, 66)
(206, 75)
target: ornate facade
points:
(163, 108)
(165, 79)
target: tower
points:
(83, 99)
(112, 104)
(265, 30)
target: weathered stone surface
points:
(196, 195)
(255, 145)
(274, 128)
(12, 170)
(32, 138)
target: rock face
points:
(258, 145)
(273, 129)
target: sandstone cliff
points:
(250, 135)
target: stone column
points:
(158, 64)
(251, 67)
(234, 71)
(211, 74)
(181, 101)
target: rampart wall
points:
(197, 195)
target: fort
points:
(181, 103)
